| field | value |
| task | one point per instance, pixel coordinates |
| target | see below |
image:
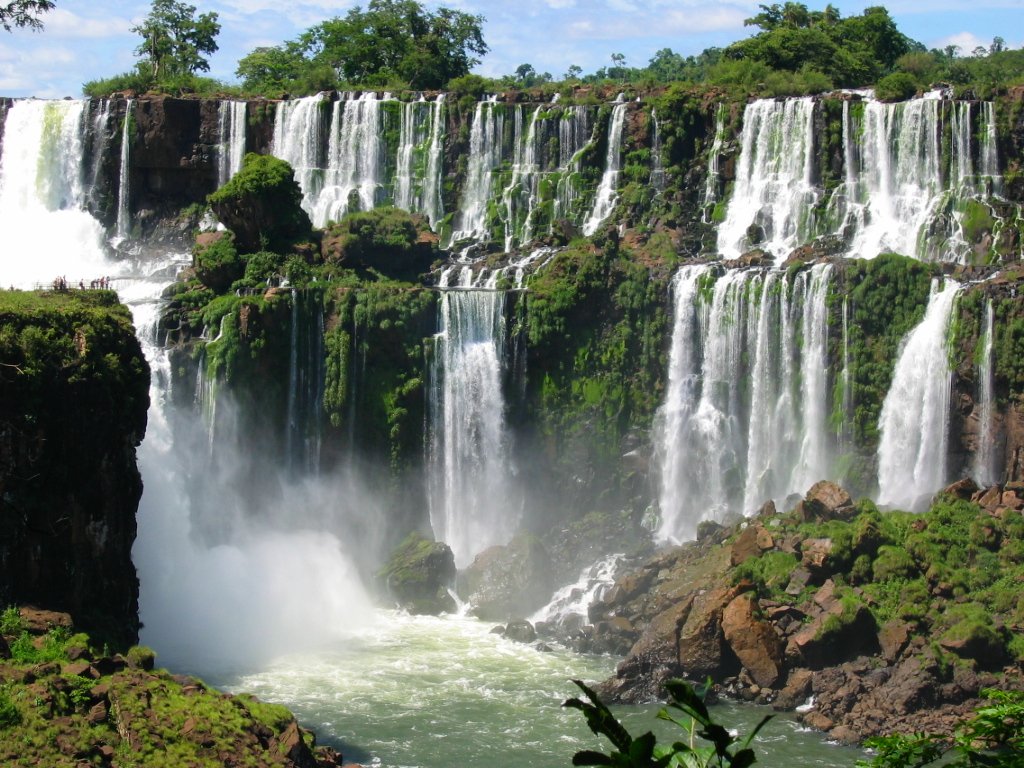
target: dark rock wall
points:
(73, 401)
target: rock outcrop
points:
(74, 391)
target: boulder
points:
(703, 651)
(753, 640)
(893, 638)
(511, 580)
(843, 631)
(796, 690)
(418, 576)
(962, 489)
(827, 501)
(37, 621)
(816, 557)
(521, 631)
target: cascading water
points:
(298, 139)
(571, 603)
(305, 385)
(775, 191)
(231, 120)
(521, 194)
(915, 415)
(713, 179)
(100, 136)
(657, 162)
(991, 178)
(745, 413)
(472, 504)
(355, 158)
(43, 196)
(607, 190)
(574, 135)
(123, 184)
(984, 466)
(485, 154)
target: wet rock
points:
(511, 580)
(989, 499)
(796, 690)
(753, 640)
(702, 647)
(418, 575)
(816, 557)
(521, 631)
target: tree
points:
(24, 13)
(397, 40)
(573, 72)
(174, 39)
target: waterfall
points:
(774, 194)
(520, 196)
(572, 602)
(745, 417)
(607, 190)
(98, 147)
(984, 467)
(915, 415)
(471, 505)
(657, 162)
(900, 183)
(123, 187)
(408, 140)
(961, 164)
(714, 165)
(991, 179)
(231, 121)
(842, 429)
(43, 195)
(298, 131)
(305, 385)
(485, 154)
(432, 202)
(574, 135)
(355, 158)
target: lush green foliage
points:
(391, 42)
(174, 39)
(896, 87)
(722, 750)
(217, 264)
(384, 239)
(262, 205)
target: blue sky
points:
(89, 39)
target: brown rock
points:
(962, 489)
(828, 501)
(701, 642)
(97, 714)
(991, 498)
(752, 640)
(796, 690)
(767, 509)
(38, 622)
(817, 557)
(818, 721)
(1013, 500)
(746, 546)
(892, 639)
(798, 581)
(80, 669)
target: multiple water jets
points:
(896, 195)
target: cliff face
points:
(73, 400)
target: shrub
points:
(216, 261)
(899, 86)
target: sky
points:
(89, 39)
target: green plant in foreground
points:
(644, 752)
(992, 738)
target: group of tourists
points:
(61, 284)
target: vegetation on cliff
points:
(74, 390)
(64, 702)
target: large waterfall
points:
(986, 455)
(745, 414)
(44, 193)
(231, 121)
(775, 189)
(915, 415)
(607, 190)
(472, 504)
(895, 194)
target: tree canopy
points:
(392, 41)
(23, 13)
(853, 51)
(174, 39)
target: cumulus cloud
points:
(63, 23)
(965, 41)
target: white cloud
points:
(63, 23)
(966, 41)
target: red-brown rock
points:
(752, 640)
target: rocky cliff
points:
(74, 391)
